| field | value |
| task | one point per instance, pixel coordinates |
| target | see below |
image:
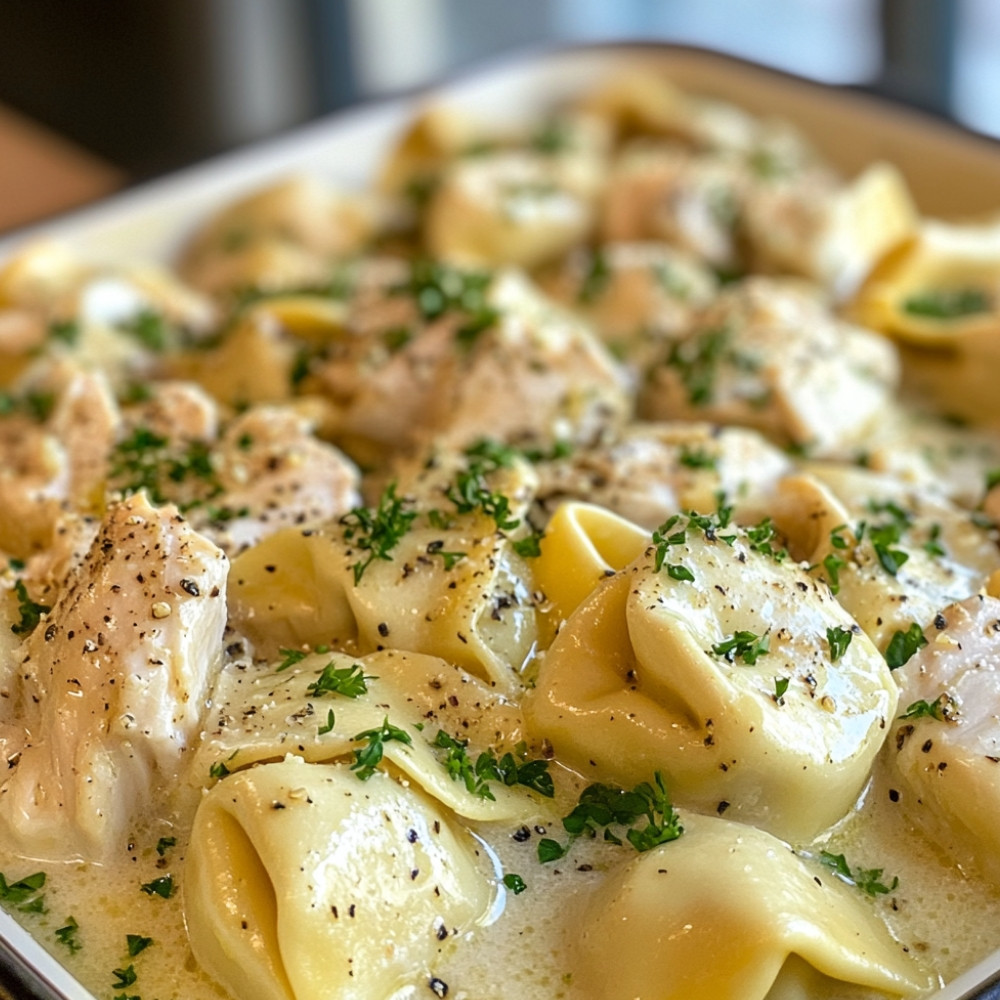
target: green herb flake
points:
(948, 303)
(868, 880)
(124, 977)
(838, 639)
(22, 890)
(289, 658)
(65, 331)
(368, 757)
(696, 360)
(943, 708)
(351, 682)
(377, 532)
(601, 807)
(933, 546)
(550, 850)
(438, 289)
(697, 458)
(903, 645)
(596, 279)
(514, 883)
(507, 770)
(150, 329)
(748, 646)
(530, 546)
(761, 538)
(450, 559)
(327, 726)
(162, 887)
(66, 935)
(137, 943)
(31, 611)
(218, 770)
(164, 844)
(780, 688)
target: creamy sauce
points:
(947, 919)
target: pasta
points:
(531, 577)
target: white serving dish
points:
(851, 129)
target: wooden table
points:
(42, 174)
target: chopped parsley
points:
(903, 645)
(368, 757)
(438, 289)
(66, 935)
(780, 687)
(887, 534)
(596, 280)
(943, 708)
(933, 545)
(327, 726)
(868, 880)
(554, 136)
(218, 770)
(832, 565)
(164, 844)
(760, 538)
(696, 359)
(124, 977)
(351, 682)
(162, 887)
(838, 640)
(378, 531)
(476, 775)
(678, 572)
(66, 331)
(147, 461)
(149, 328)
(748, 646)
(450, 559)
(31, 611)
(137, 943)
(514, 883)
(611, 808)
(697, 458)
(948, 303)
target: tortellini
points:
(721, 912)
(721, 668)
(303, 883)
(457, 591)
(263, 715)
(767, 354)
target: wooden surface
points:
(42, 174)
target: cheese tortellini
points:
(301, 881)
(721, 666)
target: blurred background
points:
(142, 87)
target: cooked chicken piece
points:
(176, 409)
(637, 295)
(491, 357)
(272, 473)
(663, 192)
(113, 683)
(86, 420)
(768, 354)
